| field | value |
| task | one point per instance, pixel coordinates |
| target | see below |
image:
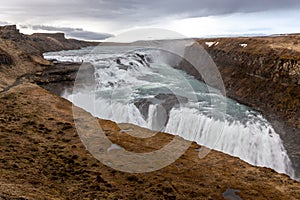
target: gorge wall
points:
(263, 73)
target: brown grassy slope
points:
(42, 157)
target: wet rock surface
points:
(163, 103)
(166, 101)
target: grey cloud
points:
(3, 23)
(71, 32)
(128, 13)
(143, 10)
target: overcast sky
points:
(97, 19)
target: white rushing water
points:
(126, 79)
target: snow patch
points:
(243, 45)
(209, 44)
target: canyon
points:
(42, 157)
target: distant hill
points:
(39, 43)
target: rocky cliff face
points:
(264, 73)
(261, 72)
(10, 32)
(61, 77)
(266, 66)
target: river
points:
(137, 85)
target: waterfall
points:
(254, 143)
(123, 79)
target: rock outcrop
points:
(61, 77)
(166, 101)
(11, 32)
(39, 43)
(5, 59)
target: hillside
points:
(21, 55)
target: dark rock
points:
(118, 61)
(5, 59)
(124, 67)
(10, 32)
(132, 178)
(143, 106)
(165, 103)
(61, 77)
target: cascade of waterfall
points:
(125, 78)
